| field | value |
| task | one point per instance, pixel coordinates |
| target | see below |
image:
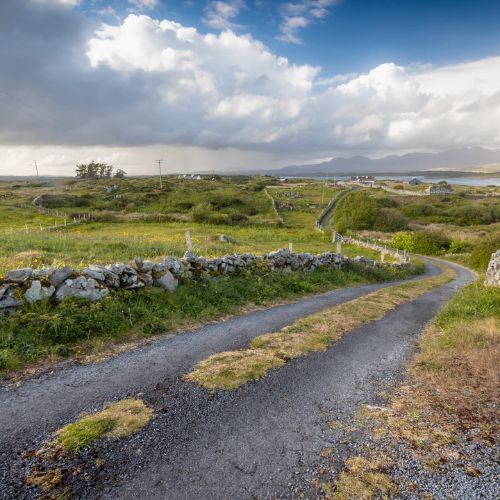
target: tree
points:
(120, 174)
(94, 170)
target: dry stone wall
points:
(493, 271)
(95, 282)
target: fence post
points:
(290, 246)
(334, 236)
(339, 247)
(189, 243)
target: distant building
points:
(440, 189)
(414, 182)
(367, 180)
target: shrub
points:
(459, 246)
(425, 243)
(481, 253)
(355, 211)
(389, 219)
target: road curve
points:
(260, 441)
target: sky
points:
(242, 84)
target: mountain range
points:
(474, 159)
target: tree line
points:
(96, 170)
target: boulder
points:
(36, 292)
(167, 282)
(87, 288)
(19, 275)
(492, 277)
(59, 275)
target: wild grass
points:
(46, 332)
(316, 333)
(363, 479)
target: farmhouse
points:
(440, 189)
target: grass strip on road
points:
(229, 370)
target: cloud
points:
(219, 14)
(145, 4)
(146, 82)
(299, 15)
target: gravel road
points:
(261, 441)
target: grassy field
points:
(155, 223)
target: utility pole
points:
(36, 167)
(159, 168)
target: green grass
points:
(76, 327)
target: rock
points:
(8, 302)
(224, 238)
(492, 277)
(167, 282)
(19, 275)
(173, 265)
(146, 279)
(94, 273)
(60, 275)
(3, 290)
(87, 288)
(36, 292)
(41, 274)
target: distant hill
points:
(470, 159)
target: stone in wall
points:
(493, 271)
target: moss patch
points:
(117, 420)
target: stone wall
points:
(95, 282)
(493, 271)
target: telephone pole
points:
(159, 169)
(36, 167)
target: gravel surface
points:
(260, 441)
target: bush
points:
(355, 211)
(63, 201)
(481, 253)
(389, 220)
(459, 246)
(425, 243)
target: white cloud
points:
(144, 82)
(145, 4)
(219, 14)
(299, 15)
(69, 3)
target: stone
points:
(173, 265)
(86, 288)
(9, 302)
(3, 290)
(60, 275)
(94, 273)
(492, 277)
(167, 282)
(146, 279)
(36, 292)
(224, 238)
(19, 275)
